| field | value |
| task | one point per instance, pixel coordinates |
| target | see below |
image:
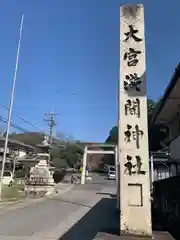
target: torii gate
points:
(114, 152)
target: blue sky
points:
(69, 60)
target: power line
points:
(14, 125)
(32, 125)
(23, 119)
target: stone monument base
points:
(156, 236)
(39, 191)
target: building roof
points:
(15, 144)
(170, 102)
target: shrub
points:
(59, 175)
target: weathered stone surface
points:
(134, 190)
(156, 236)
(41, 180)
(40, 174)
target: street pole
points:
(11, 106)
(51, 122)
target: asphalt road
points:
(76, 214)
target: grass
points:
(13, 193)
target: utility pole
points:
(11, 106)
(51, 122)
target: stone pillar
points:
(135, 205)
(83, 174)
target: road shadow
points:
(103, 217)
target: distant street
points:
(51, 218)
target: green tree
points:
(151, 104)
(70, 155)
(59, 163)
(113, 135)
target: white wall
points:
(22, 154)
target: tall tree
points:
(71, 154)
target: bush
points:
(59, 175)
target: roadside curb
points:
(10, 202)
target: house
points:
(168, 113)
(14, 145)
(24, 152)
(159, 162)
